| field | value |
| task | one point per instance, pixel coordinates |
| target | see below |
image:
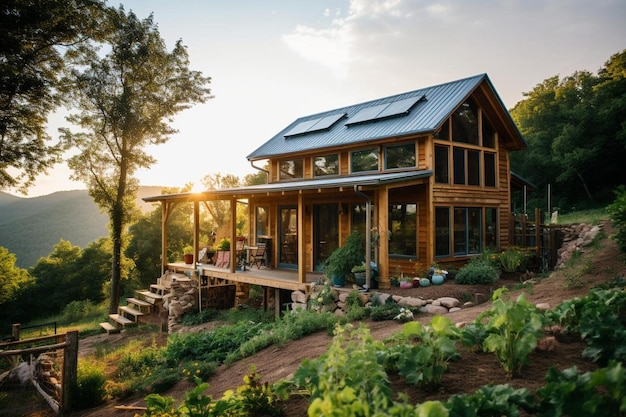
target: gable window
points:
(489, 133)
(400, 156)
(441, 164)
(291, 169)
(364, 160)
(403, 228)
(465, 123)
(326, 165)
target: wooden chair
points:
(257, 257)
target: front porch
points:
(211, 278)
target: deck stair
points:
(138, 304)
(129, 313)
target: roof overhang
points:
(518, 183)
(296, 187)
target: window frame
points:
(315, 165)
(284, 175)
(397, 146)
(374, 151)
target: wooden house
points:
(425, 174)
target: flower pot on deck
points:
(188, 257)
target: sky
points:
(272, 61)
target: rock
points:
(543, 306)
(453, 309)
(449, 302)
(298, 297)
(480, 298)
(434, 310)
(411, 302)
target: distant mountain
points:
(31, 227)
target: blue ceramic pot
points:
(437, 279)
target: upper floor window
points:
(465, 123)
(400, 156)
(364, 160)
(489, 133)
(291, 169)
(326, 165)
(442, 170)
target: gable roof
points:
(414, 112)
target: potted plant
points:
(359, 272)
(188, 254)
(341, 260)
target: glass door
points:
(325, 232)
(288, 237)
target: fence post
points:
(70, 365)
(15, 332)
(538, 227)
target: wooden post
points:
(15, 332)
(538, 228)
(70, 372)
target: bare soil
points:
(471, 372)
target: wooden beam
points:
(383, 241)
(301, 234)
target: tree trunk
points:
(116, 270)
(585, 186)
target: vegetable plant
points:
(421, 353)
(514, 328)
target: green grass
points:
(591, 216)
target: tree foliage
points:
(12, 279)
(33, 36)
(576, 135)
(126, 100)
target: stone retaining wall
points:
(576, 238)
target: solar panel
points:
(313, 125)
(301, 127)
(381, 111)
(368, 113)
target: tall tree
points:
(576, 134)
(33, 35)
(126, 98)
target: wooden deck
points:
(286, 279)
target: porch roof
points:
(296, 186)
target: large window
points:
(442, 231)
(466, 166)
(326, 165)
(442, 169)
(490, 169)
(291, 169)
(364, 160)
(262, 221)
(403, 228)
(400, 156)
(465, 123)
(459, 230)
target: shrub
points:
(510, 260)
(89, 390)
(477, 271)
(617, 211)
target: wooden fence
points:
(68, 344)
(545, 239)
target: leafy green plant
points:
(490, 400)
(421, 353)
(477, 271)
(90, 388)
(345, 257)
(347, 373)
(510, 260)
(617, 211)
(514, 328)
(598, 393)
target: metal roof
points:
(291, 186)
(425, 116)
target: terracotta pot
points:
(188, 258)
